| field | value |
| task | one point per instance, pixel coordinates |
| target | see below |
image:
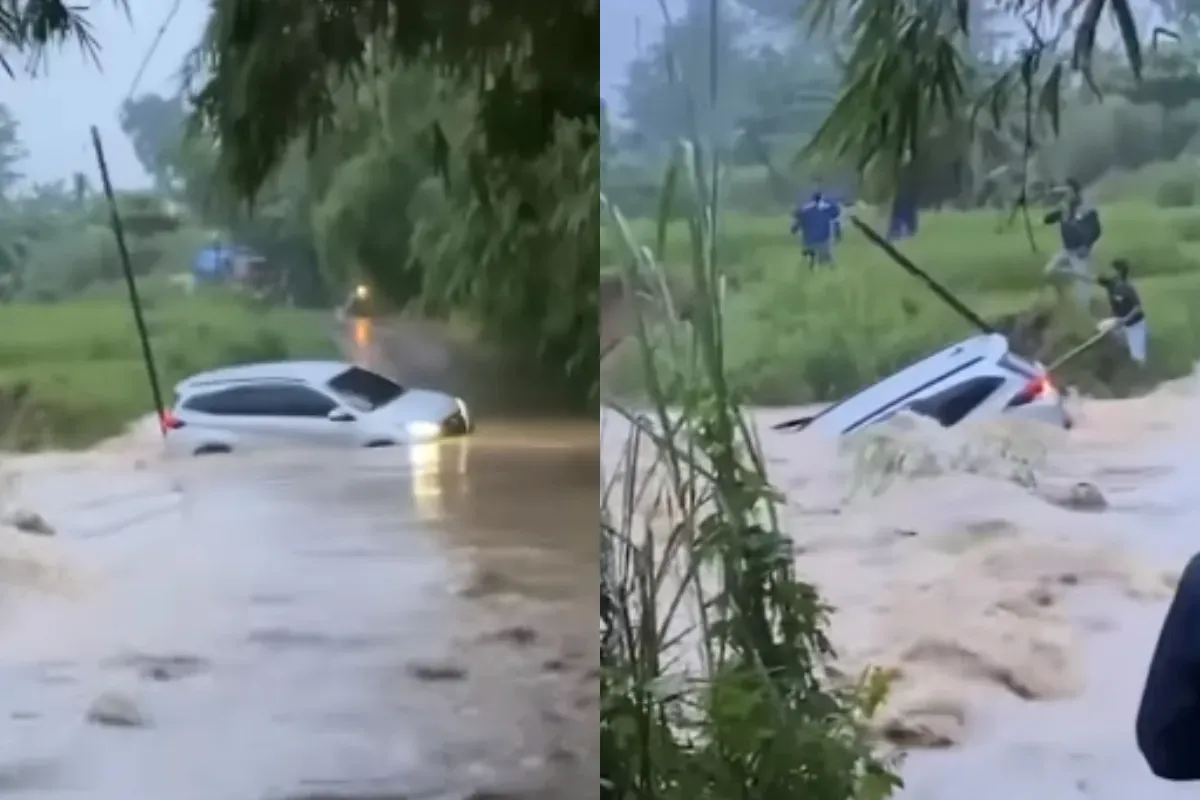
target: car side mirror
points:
(340, 415)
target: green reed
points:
(714, 679)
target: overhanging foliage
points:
(272, 68)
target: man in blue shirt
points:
(1079, 228)
(818, 222)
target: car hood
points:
(419, 405)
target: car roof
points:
(282, 371)
(982, 350)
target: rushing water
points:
(414, 623)
(1020, 629)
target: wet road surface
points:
(414, 623)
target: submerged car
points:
(305, 403)
(975, 379)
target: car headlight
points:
(423, 431)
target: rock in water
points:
(116, 710)
(28, 521)
(1077, 497)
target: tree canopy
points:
(272, 68)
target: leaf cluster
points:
(29, 27)
(908, 73)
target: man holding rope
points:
(1127, 313)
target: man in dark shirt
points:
(1168, 719)
(1126, 309)
(1079, 228)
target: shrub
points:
(1176, 193)
(1187, 229)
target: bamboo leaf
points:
(1127, 26)
(1050, 97)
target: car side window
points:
(238, 401)
(296, 401)
(950, 406)
(263, 401)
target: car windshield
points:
(363, 390)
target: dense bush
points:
(72, 373)
(796, 336)
(1177, 193)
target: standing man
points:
(816, 221)
(902, 223)
(1127, 313)
(1079, 228)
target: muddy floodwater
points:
(411, 622)
(1013, 577)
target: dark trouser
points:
(818, 255)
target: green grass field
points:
(796, 336)
(72, 373)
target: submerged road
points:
(404, 623)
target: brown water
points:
(1020, 629)
(414, 623)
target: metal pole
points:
(920, 274)
(134, 301)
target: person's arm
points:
(796, 215)
(1137, 302)
(1168, 719)
(1054, 217)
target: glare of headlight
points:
(427, 480)
(423, 431)
(361, 291)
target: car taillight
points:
(170, 422)
(1036, 389)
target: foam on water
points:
(950, 559)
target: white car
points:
(305, 403)
(977, 378)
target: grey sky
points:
(625, 25)
(57, 108)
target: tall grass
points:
(715, 678)
(800, 337)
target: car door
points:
(230, 414)
(274, 414)
(291, 414)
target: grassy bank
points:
(72, 373)
(794, 336)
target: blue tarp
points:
(216, 262)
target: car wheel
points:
(212, 449)
(381, 443)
